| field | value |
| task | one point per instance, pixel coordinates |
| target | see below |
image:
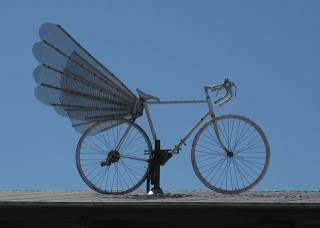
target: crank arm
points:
(133, 158)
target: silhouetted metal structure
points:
(230, 154)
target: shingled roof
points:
(177, 198)
(88, 209)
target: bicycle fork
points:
(215, 125)
(216, 130)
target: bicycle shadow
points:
(144, 196)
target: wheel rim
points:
(107, 167)
(239, 172)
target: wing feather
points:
(77, 85)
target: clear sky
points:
(170, 49)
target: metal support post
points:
(157, 166)
(155, 172)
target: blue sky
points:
(170, 49)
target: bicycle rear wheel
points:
(235, 173)
(112, 156)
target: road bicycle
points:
(230, 154)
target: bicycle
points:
(129, 150)
(230, 154)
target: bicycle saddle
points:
(145, 96)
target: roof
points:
(72, 198)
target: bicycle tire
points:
(108, 169)
(225, 174)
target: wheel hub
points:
(229, 154)
(113, 156)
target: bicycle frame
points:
(182, 141)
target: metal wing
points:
(77, 85)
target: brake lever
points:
(218, 92)
(235, 92)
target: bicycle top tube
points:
(176, 102)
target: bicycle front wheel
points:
(234, 172)
(112, 157)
